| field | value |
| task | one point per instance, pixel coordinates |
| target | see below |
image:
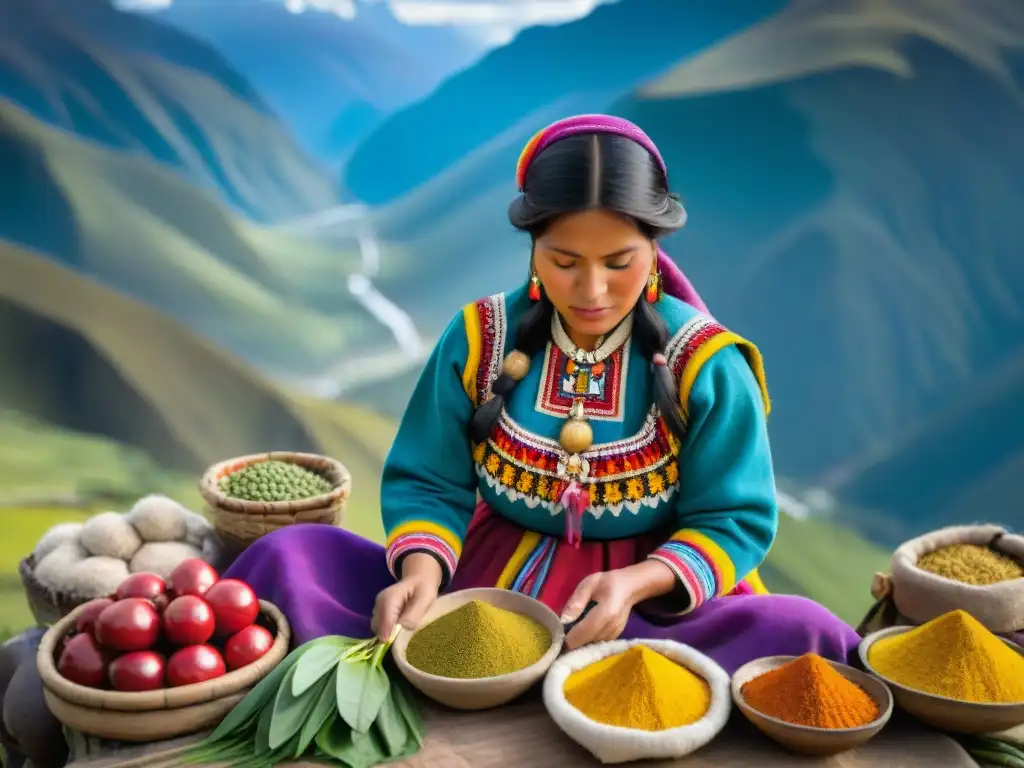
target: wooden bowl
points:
(240, 522)
(153, 715)
(941, 712)
(804, 739)
(482, 693)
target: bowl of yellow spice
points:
(810, 705)
(951, 673)
(480, 648)
(628, 700)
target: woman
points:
(614, 432)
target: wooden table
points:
(524, 736)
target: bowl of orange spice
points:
(809, 705)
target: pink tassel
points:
(575, 501)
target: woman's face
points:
(593, 265)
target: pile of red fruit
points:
(152, 634)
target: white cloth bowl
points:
(612, 744)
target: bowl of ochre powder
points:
(480, 648)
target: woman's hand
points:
(615, 594)
(405, 601)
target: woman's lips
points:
(590, 313)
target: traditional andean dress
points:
(492, 513)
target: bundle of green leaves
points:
(329, 700)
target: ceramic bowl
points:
(941, 712)
(482, 693)
(804, 739)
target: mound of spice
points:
(811, 692)
(954, 656)
(974, 564)
(639, 689)
(274, 481)
(477, 640)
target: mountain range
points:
(130, 83)
(330, 79)
(115, 367)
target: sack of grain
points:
(920, 590)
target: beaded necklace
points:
(576, 435)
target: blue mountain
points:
(594, 60)
(133, 84)
(332, 80)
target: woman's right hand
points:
(406, 601)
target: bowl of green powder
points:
(480, 648)
(250, 496)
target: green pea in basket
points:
(239, 522)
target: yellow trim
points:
(722, 563)
(704, 352)
(474, 337)
(754, 580)
(526, 545)
(430, 529)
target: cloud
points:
(494, 22)
(520, 13)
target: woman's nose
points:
(592, 285)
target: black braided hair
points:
(575, 174)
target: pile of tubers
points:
(91, 559)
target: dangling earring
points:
(534, 291)
(653, 292)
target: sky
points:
(495, 21)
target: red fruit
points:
(192, 577)
(137, 671)
(128, 625)
(82, 661)
(188, 620)
(147, 585)
(87, 618)
(247, 646)
(234, 605)
(194, 664)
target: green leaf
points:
(245, 712)
(355, 750)
(323, 710)
(390, 725)
(262, 740)
(361, 689)
(290, 711)
(406, 704)
(314, 664)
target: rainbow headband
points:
(572, 126)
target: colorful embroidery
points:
(421, 542)
(692, 569)
(640, 471)
(601, 386)
(688, 339)
(493, 329)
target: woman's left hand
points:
(615, 594)
(613, 591)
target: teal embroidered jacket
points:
(715, 488)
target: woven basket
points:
(47, 606)
(240, 522)
(153, 715)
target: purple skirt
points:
(326, 579)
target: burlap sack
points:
(922, 596)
